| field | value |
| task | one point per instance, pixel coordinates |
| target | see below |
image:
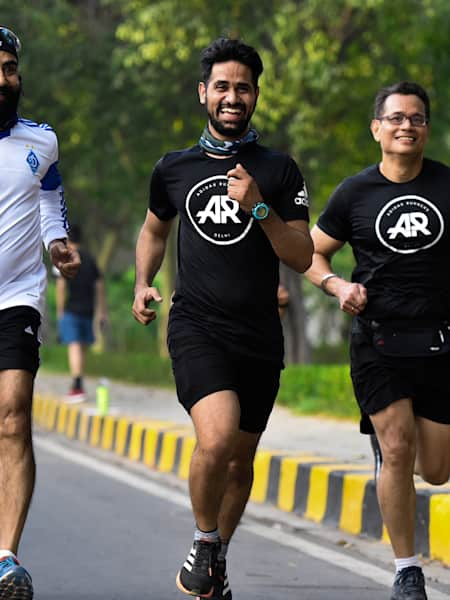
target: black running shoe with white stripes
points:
(197, 576)
(222, 589)
(409, 584)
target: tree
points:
(118, 78)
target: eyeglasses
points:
(9, 38)
(416, 120)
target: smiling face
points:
(230, 99)
(402, 139)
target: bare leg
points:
(239, 484)
(17, 466)
(433, 451)
(396, 432)
(216, 422)
(76, 354)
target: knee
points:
(217, 452)
(398, 451)
(15, 424)
(240, 471)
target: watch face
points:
(260, 210)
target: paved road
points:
(93, 535)
(302, 434)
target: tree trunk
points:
(167, 275)
(297, 348)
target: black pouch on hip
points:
(411, 339)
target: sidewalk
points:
(326, 437)
(318, 467)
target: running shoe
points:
(15, 582)
(222, 589)
(196, 577)
(75, 396)
(409, 584)
(377, 455)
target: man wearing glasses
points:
(396, 217)
(32, 212)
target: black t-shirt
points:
(80, 296)
(227, 269)
(399, 233)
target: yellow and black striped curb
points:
(315, 487)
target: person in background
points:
(283, 299)
(396, 217)
(78, 301)
(32, 212)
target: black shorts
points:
(378, 381)
(19, 338)
(201, 367)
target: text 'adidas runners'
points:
(196, 577)
(15, 582)
(409, 584)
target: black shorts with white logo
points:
(19, 338)
(202, 367)
(378, 381)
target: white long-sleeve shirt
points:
(32, 211)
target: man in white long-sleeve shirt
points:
(32, 212)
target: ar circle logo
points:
(408, 224)
(215, 216)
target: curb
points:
(319, 488)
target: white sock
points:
(6, 553)
(208, 536)
(402, 563)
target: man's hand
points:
(243, 188)
(66, 260)
(352, 296)
(142, 298)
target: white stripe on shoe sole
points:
(354, 565)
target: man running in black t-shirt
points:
(242, 207)
(396, 217)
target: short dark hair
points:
(406, 88)
(225, 49)
(75, 233)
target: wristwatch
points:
(260, 211)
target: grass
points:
(131, 367)
(305, 389)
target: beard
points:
(8, 104)
(234, 130)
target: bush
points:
(124, 334)
(143, 368)
(318, 389)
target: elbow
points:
(306, 264)
(299, 263)
(305, 260)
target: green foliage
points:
(124, 334)
(145, 368)
(318, 389)
(118, 81)
(304, 389)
